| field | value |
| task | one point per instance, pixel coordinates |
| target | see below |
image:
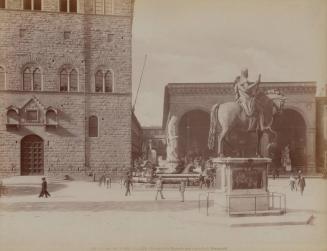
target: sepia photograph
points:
(163, 125)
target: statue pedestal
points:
(244, 182)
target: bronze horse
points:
(231, 115)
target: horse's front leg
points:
(259, 136)
(221, 137)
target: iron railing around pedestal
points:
(276, 201)
(206, 195)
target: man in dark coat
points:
(301, 182)
(44, 190)
(182, 190)
(128, 183)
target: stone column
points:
(311, 150)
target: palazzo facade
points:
(65, 86)
(296, 126)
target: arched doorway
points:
(291, 131)
(193, 130)
(32, 151)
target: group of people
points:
(206, 180)
(159, 188)
(297, 181)
(128, 184)
(105, 179)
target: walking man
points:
(201, 180)
(108, 181)
(128, 183)
(301, 183)
(182, 189)
(44, 190)
(292, 182)
(159, 186)
(1, 187)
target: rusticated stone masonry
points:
(50, 41)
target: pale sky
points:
(202, 41)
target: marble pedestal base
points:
(244, 181)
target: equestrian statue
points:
(253, 110)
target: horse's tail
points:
(213, 126)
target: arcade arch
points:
(193, 130)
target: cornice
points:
(228, 89)
(50, 93)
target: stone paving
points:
(83, 216)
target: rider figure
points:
(246, 96)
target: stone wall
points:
(117, 7)
(38, 38)
(67, 148)
(50, 40)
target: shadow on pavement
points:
(311, 211)
(24, 190)
(64, 206)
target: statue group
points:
(252, 110)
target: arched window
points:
(51, 118)
(27, 80)
(32, 4)
(103, 81)
(108, 82)
(103, 6)
(68, 79)
(63, 81)
(12, 116)
(73, 6)
(73, 81)
(93, 126)
(68, 5)
(2, 4)
(2, 78)
(63, 5)
(37, 4)
(99, 81)
(99, 6)
(32, 78)
(109, 6)
(37, 80)
(27, 4)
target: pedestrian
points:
(128, 183)
(201, 180)
(297, 178)
(1, 187)
(207, 181)
(159, 186)
(108, 181)
(277, 172)
(299, 174)
(102, 180)
(301, 182)
(182, 189)
(44, 190)
(212, 180)
(292, 182)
